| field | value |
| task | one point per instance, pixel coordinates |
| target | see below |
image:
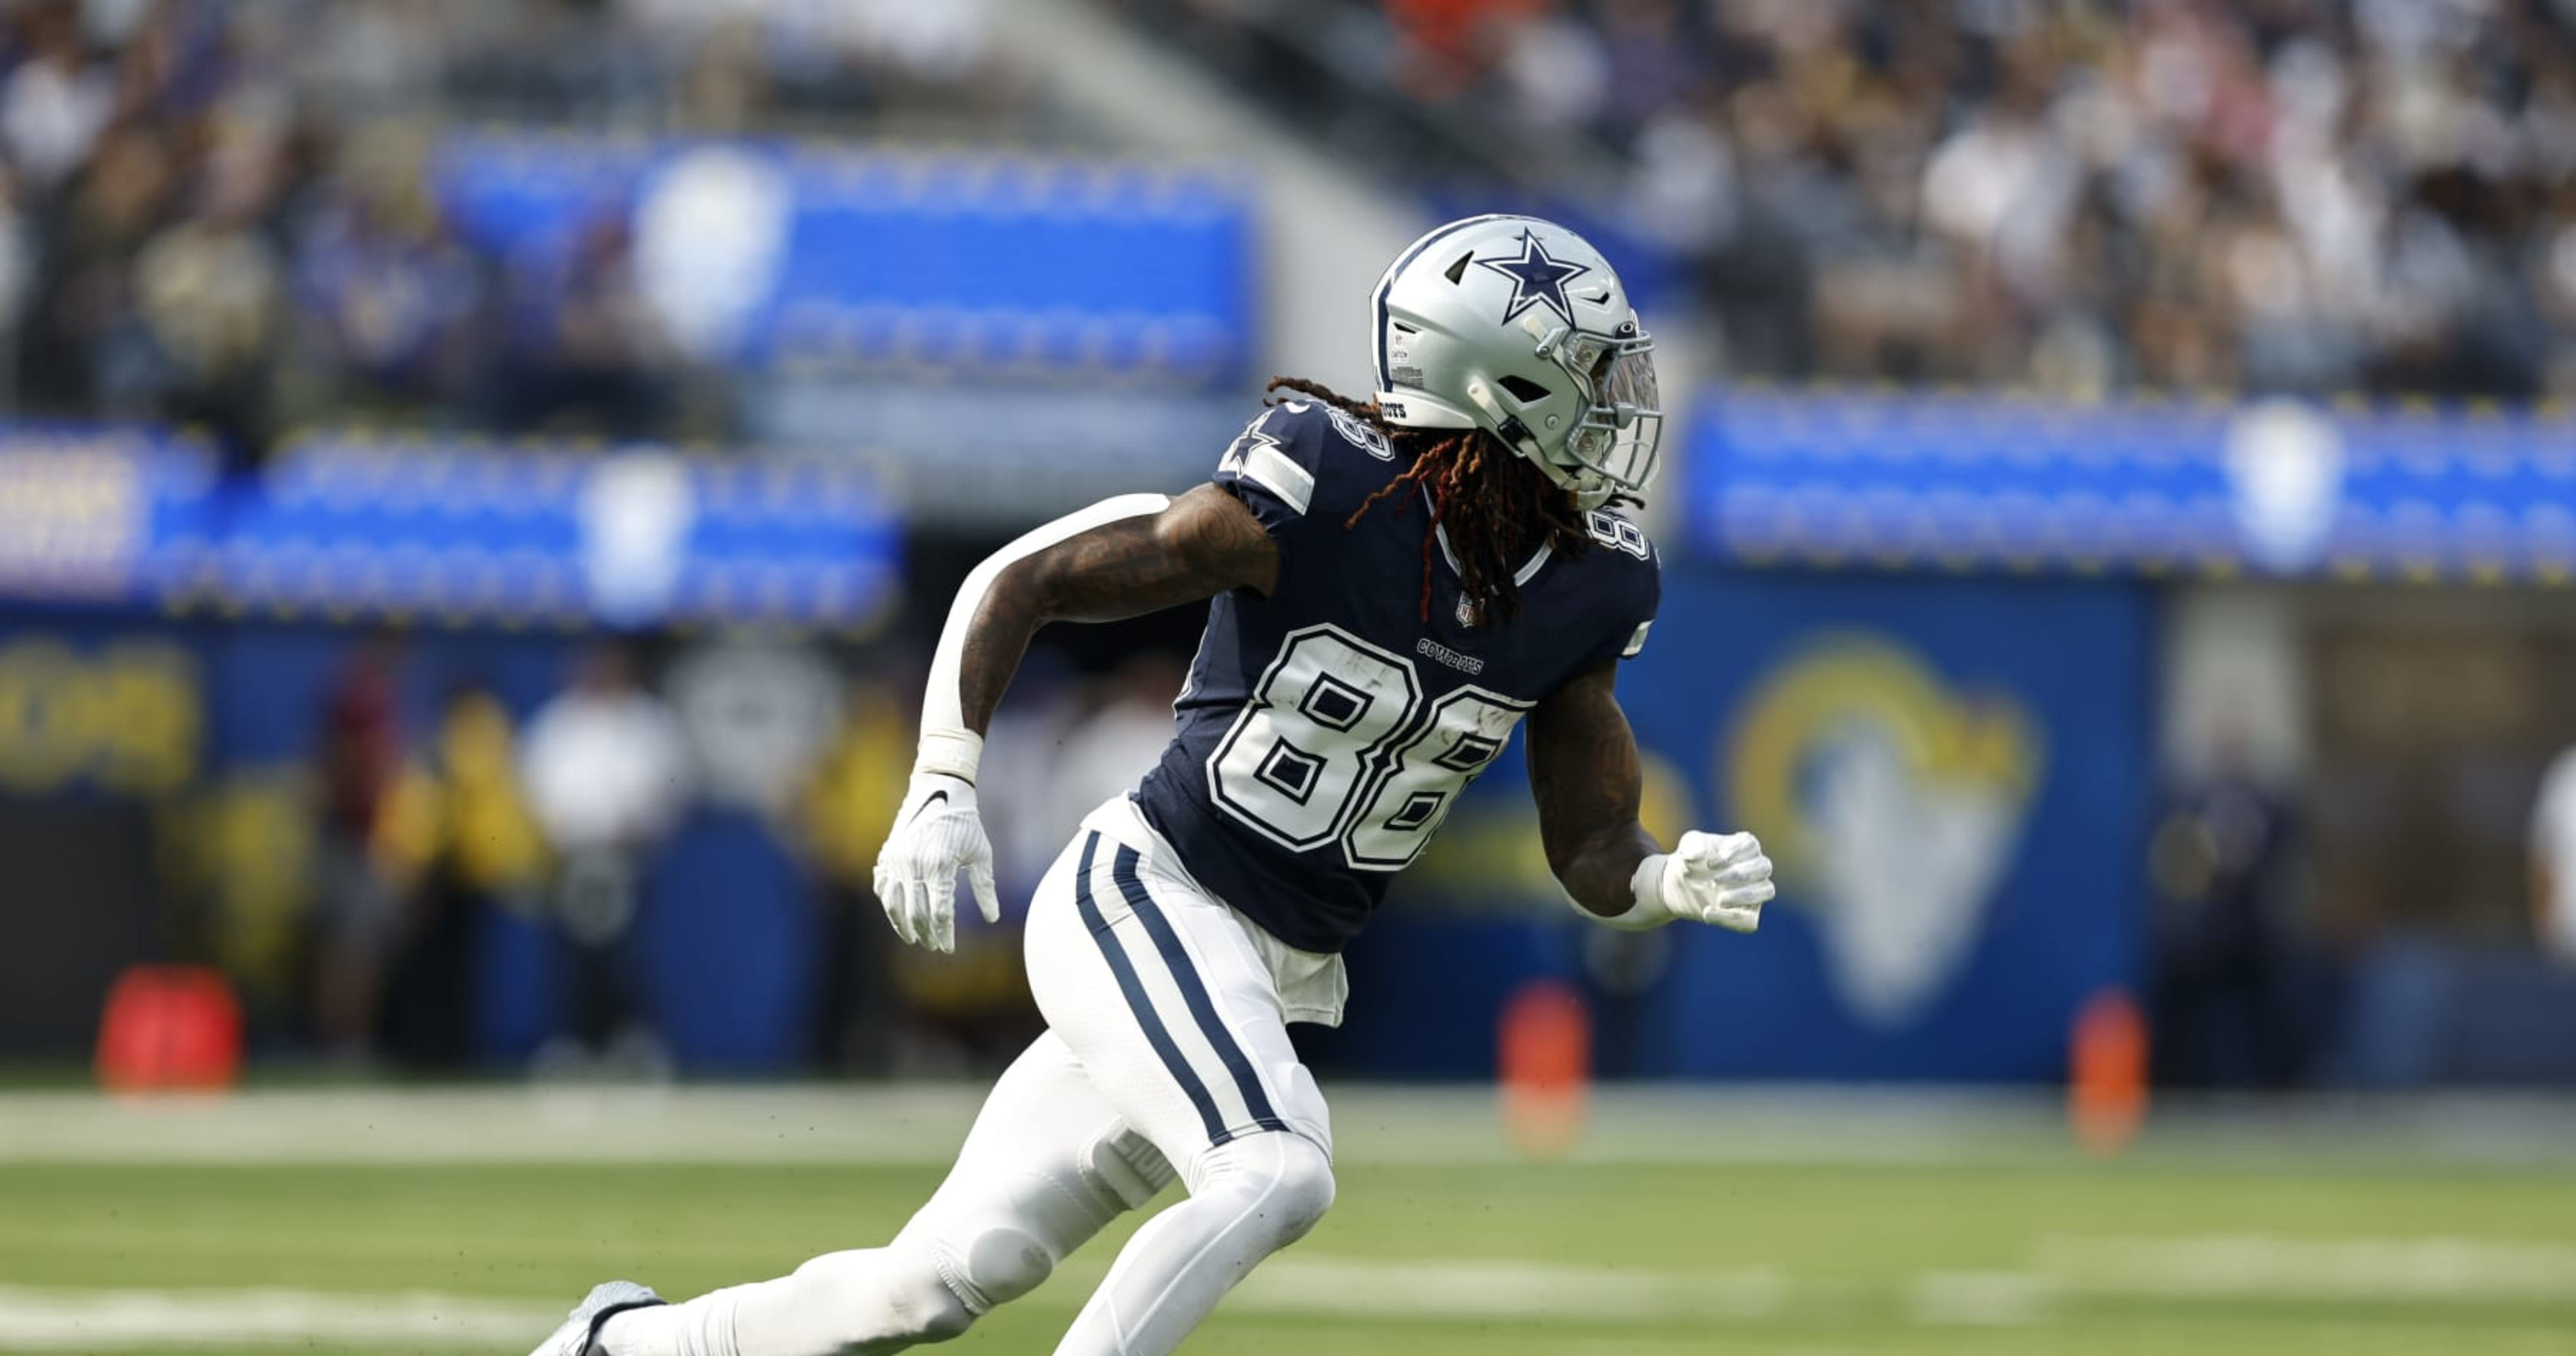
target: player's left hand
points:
(1720, 878)
(936, 834)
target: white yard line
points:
(1986, 1299)
(2273, 1266)
(490, 1125)
(34, 1319)
(2355, 1273)
(111, 1320)
(2064, 1270)
(1292, 1284)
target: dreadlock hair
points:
(1496, 505)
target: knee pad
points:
(1002, 1263)
(992, 1246)
(1282, 1182)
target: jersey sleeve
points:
(1641, 590)
(1273, 467)
(1304, 462)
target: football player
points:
(1393, 587)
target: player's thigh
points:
(1048, 1164)
(1158, 991)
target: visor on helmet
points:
(1621, 431)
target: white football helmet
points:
(1517, 326)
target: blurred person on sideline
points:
(357, 912)
(775, 741)
(848, 806)
(2233, 983)
(606, 770)
(460, 841)
(2553, 861)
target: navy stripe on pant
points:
(1138, 1001)
(1193, 990)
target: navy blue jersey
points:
(1327, 729)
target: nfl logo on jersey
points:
(1467, 611)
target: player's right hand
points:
(936, 833)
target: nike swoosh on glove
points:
(936, 833)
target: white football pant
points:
(1167, 1049)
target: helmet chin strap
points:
(1516, 434)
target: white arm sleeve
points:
(946, 744)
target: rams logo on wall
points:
(1893, 805)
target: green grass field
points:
(2194, 1254)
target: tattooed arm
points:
(1119, 558)
(1584, 774)
(1203, 544)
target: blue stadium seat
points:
(974, 264)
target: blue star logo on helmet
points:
(1536, 279)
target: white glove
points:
(1720, 878)
(936, 832)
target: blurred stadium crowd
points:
(2079, 195)
(215, 212)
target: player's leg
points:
(1047, 1164)
(1159, 992)
(1255, 1196)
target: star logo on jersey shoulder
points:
(1537, 279)
(1240, 454)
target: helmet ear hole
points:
(1523, 389)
